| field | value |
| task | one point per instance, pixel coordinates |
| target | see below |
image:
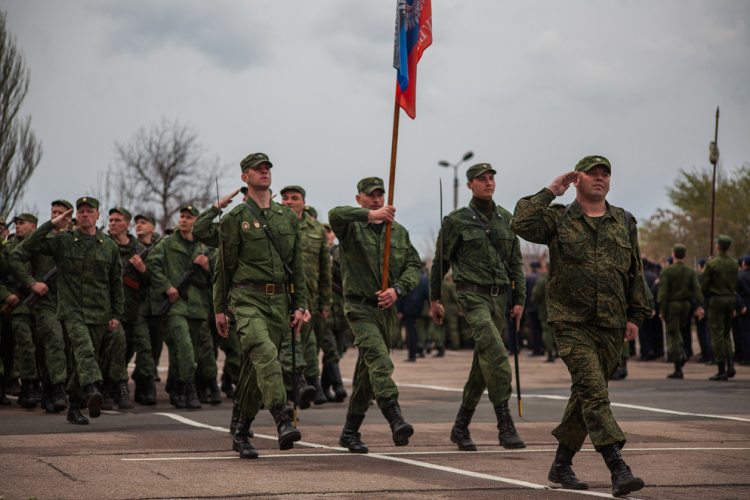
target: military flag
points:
(413, 35)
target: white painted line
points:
(236, 457)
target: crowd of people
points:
(274, 288)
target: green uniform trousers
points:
(591, 354)
(155, 325)
(138, 342)
(84, 354)
(232, 350)
(490, 368)
(189, 343)
(676, 317)
(720, 309)
(326, 341)
(113, 364)
(372, 329)
(450, 327)
(49, 330)
(301, 343)
(26, 346)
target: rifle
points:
(185, 280)
(33, 298)
(3, 227)
(129, 268)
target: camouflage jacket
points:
(449, 297)
(20, 273)
(89, 274)
(719, 276)
(362, 249)
(473, 256)
(150, 299)
(539, 296)
(205, 229)
(596, 272)
(166, 263)
(250, 257)
(20, 259)
(678, 283)
(317, 261)
(131, 281)
(4, 273)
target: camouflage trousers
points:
(490, 368)
(305, 350)
(720, 309)
(191, 349)
(326, 342)
(26, 352)
(138, 342)
(49, 330)
(676, 317)
(155, 326)
(548, 337)
(372, 329)
(231, 347)
(113, 364)
(261, 323)
(591, 354)
(450, 327)
(84, 354)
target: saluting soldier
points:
(90, 299)
(481, 278)
(369, 310)
(261, 243)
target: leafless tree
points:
(19, 150)
(163, 169)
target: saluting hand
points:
(224, 202)
(386, 213)
(562, 183)
(62, 220)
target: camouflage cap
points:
(479, 169)
(87, 200)
(590, 162)
(293, 188)
(370, 184)
(310, 210)
(27, 217)
(122, 211)
(190, 208)
(679, 250)
(147, 217)
(62, 203)
(724, 242)
(253, 160)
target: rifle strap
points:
(270, 237)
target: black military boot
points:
(38, 391)
(202, 391)
(177, 395)
(319, 398)
(305, 392)
(26, 398)
(121, 397)
(44, 403)
(722, 375)
(58, 400)
(4, 401)
(74, 412)
(214, 393)
(617, 374)
(149, 395)
(287, 433)
(731, 372)
(334, 374)
(677, 371)
(241, 441)
(106, 403)
(191, 399)
(507, 436)
(226, 385)
(139, 390)
(623, 368)
(94, 400)
(440, 352)
(235, 417)
(350, 436)
(325, 384)
(460, 432)
(550, 357)
(561, 471)
(623, 481)
(401, 431)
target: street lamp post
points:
(444, 163)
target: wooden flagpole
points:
(391, 187)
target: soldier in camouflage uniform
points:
(48, 328)
(481, 280)
(539, 296)
(259, 290)
(719, 286)
(361, 233)
(596, 298)
(336, 323)
(678, 285)
(90, 297)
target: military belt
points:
(355, 299)
(490, 290)
(268, 288)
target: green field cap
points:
(590, 162)
(724, 242)
(479, 169)
(370, 184)
(63, 203)
(293, 188)
(190, 208)
(122, 211)
(310, 210)
(253, 160)
(87, 200)
(27, 217)
(147, 217)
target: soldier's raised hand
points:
(62, 220)
(224, 202)
(562, 183)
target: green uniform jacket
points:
(719, 276)
(539, 296)
(362, 249)
(89, 275)
(131, 280)
(166, 263)
(678, 283)
(250, 257)
(474, 258)
(595, 276)
(205, 230)
(4, 272)
(40, 265)
(317, 264)
(19, 272)
(149, 298)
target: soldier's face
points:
(143, 228)
(57, 210)
(118, 224)
(371, 201)
(331, 237)
(258, 177)
(186, 221)
(483, 186)
(593, 185)
(86, 217)
(23, 228)
(293, 200)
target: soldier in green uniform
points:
(481, 279)
(330, 377)
(261, 244)
(449, 301)
(678, 285)
(11, 300)
(48, 328)
(186, 331)
(90, 297)
(361, 233)
(719, 286)
(596, 299)
(317, 265)
(539, 297)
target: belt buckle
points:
(272, 288)
(494, 290)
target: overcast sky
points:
(531, 87)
